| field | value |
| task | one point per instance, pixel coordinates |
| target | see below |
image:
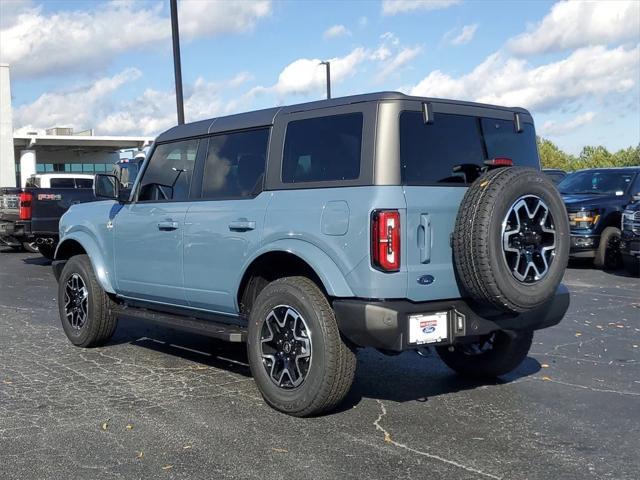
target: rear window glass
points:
(452, 149)
(323, 149)
(62, 183)
(84, 183)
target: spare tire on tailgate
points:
(511, 240)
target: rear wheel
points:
(86, 311)
(47, 250)
(298, 359)
(493, 355)
(30, 247)
(608, 255)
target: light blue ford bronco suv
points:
(310, 231)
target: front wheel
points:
(298, 359)
(495, 354)
(87, 313)
(608, 254)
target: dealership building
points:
(56, 149)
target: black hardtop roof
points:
(261, 118)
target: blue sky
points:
(108, 65)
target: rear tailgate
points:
(439, 159)
(49, 204)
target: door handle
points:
(167, 226)
(424, 238)
(242, 225)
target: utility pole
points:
(328, 65)
(177, 66)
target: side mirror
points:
(636, 197)
(106, 186)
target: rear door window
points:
(84, 183)
(235, 164)
(62, 183)
(452, 149)
(323, 149)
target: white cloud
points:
(336, 31)
(572, 24)
(305, 75)
(392, 7)
(554, 128)
(399, 61)
(363, 22)
(200, 18)
(593, 72)
(77, 107)
(95, 106)
(36, 43)
(465, 35)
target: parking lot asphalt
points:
(156, 403)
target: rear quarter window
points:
(323, 149)
(62, 183)
(453, 148)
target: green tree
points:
(551, 156)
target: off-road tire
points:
(608, 254)
(482, 272)
(102, 318)
(509, 350)
(333, 361)
(47, 251)
(30, 247)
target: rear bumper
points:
(385, 324)
(15, 232)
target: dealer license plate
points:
(428, 328)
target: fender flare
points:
(94, 252)
(329, 273)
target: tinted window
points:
(596, 182)
(62, 183)
(323, 149)
(503, 141)
(168, 175)
(235, 164)
(84, 183)
(454, 147)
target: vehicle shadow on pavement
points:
(403, 378)
(587, 264)
(200, 349)
(409, 377)
(39, 261)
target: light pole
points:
(328, 65)
(177, 67)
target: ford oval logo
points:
(426, 280)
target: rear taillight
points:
(385, 240)
(25, 206)
(499, 162)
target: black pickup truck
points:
(595, 199)
(29, 216)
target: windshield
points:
(596, 183)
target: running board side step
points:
(209, 328)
